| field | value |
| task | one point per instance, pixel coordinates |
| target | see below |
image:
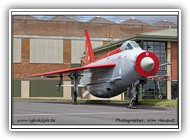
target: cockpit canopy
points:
(130, 45)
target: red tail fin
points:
(89, 52)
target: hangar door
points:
(45, 88)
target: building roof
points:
(165, 35)
(64, 18)
(133, 21)
(165, 23)
(160, 35)
(165, 32)
(100, 20)
(24, 17)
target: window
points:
(135, 45)
(159, 48)
(129, 46)
(174, 89)
(150, 92)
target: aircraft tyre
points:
(74, 98)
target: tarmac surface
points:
(59, 112)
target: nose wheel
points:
(74, 98)
(134, 96)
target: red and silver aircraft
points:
(111, 74)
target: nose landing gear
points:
(134, 100)
(134, 97)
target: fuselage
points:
(106, 83)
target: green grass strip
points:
(150, 102)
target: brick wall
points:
(53, 28)
(174, 58)
(25, 50)
(67, 52)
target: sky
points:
(118, 19)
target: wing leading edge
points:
(58, 73)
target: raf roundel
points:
(147, 64)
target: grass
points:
(151, 102)
(160, 103)
(69, 100)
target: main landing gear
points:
(74, 78)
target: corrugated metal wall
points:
(16, 88)
(45, 88)
(46, 51)
(16, 50)
(78, 48)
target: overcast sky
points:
(118, 19)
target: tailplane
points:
(89, 52)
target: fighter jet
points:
(110, 74)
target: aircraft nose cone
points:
(147, 64)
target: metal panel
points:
(78, 49)
(75, 65)
(25, 89)
(45, 88)
(96, 44)
(58, 37)
(16, 50)
(16, 88)
(67, 90)
(46, 51)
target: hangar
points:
(47, 45)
